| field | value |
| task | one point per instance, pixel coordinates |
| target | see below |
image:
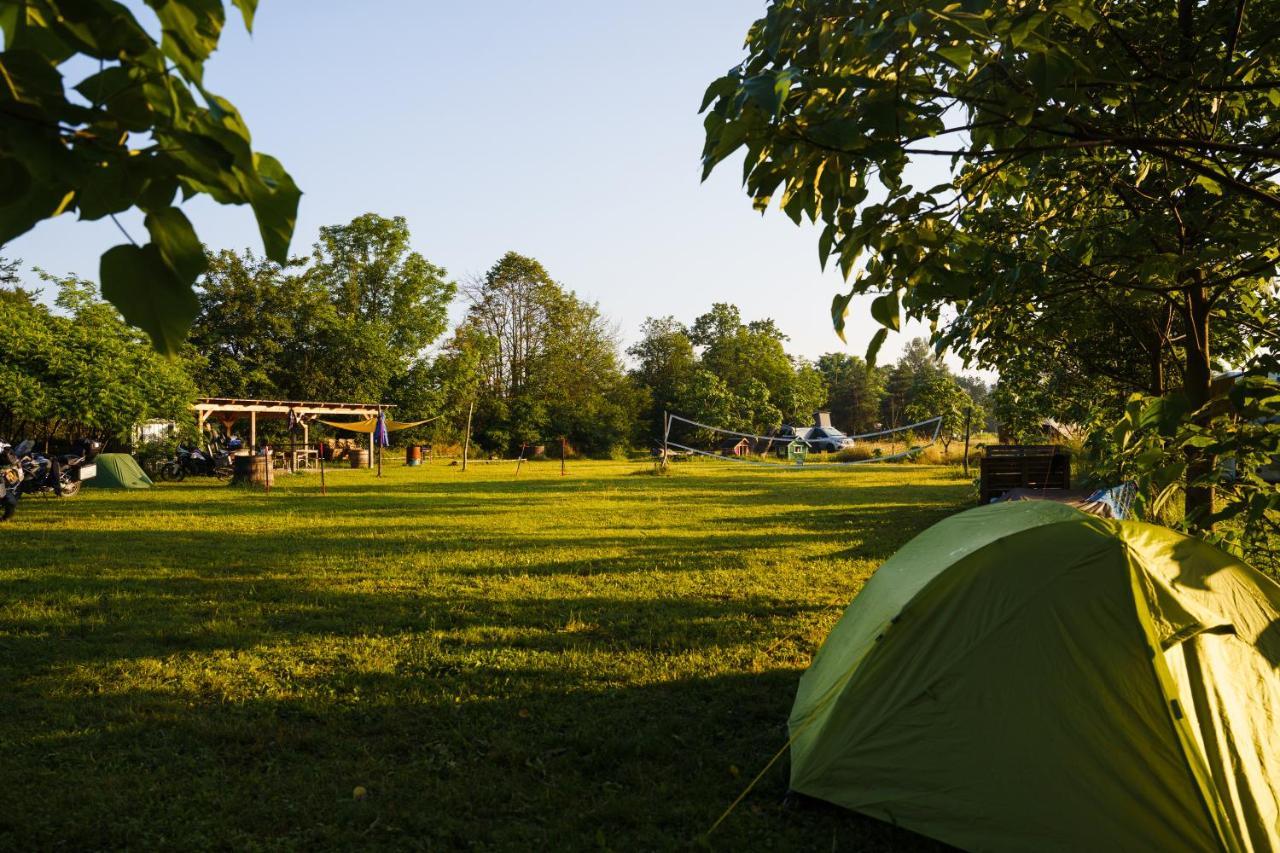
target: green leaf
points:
(275, 204)
(957, 55)
(247, 9)
(885, 309)
(190, 31)
(825, 242)
(841, 134)
(873, 348)
(840, 310)
(149, 295)
(769, 90)
(178, 244)
(1209, 184)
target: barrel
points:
(359, 458)
(413, 455)
(251, 470)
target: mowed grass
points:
(596, 661)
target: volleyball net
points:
(817, 446)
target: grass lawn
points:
(597, 661)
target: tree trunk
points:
(1198, 502)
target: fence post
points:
(968, 415)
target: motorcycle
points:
(191, 461)
(58, 475)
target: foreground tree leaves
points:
(132, 134)
(1111, 204)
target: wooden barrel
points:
(413, 455)
(359, 458)
(251, 470)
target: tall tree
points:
(1080, 135)
(354, 325)
(375, 279)
(665, 364)
(550, 368)
(854, 389)
(132, 133)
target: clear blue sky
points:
(567, 131)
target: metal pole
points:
(466, 441)
(968, 414)
(666, 434)
(521, 459)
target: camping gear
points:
(1023, 676)
(1042, 467)
(1114, 502)
(118, 471)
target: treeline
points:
(77, 370)
(363, 318)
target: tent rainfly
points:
(118, 471)
(1023, 676)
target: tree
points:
(937, 394)
(751, 361)
(354, 325)
(373, 278)
(1082, 135)
(665, 364)
(81, 371)
(130, 135)
(550, 366)
(854, 389)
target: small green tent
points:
(1023, 676)
(118, 471)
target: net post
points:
(466, 441)
(666, 437)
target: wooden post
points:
(369, 463)
(562, 442)
(293, 458)
(466, 440)
(968, 414)
(519, 461)
(253, 432)
(320, 455)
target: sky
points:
(566, 130)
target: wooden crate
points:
(1029, 466)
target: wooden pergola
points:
(228, 410)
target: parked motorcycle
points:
(194, 462)
(59, 475)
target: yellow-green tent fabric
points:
(1023, 676)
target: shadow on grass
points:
(533, 664)
(548, 765)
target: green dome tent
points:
(118, 471)
(1023, 676)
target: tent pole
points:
(369, 464)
